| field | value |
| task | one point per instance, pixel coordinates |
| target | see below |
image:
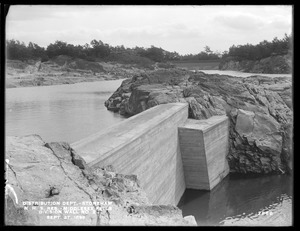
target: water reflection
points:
(238, 197)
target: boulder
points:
(258, 143)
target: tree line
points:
(207, 54)
(96, 50)
(262, 50)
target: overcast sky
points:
(185, 29)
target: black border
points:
(4, 10)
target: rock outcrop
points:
(49, 184)
(277, 64)
(259, 108)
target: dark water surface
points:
(243, 201)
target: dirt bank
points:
(64, 70)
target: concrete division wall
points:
(204, 146)
(146, 145)
(193, 158)
(216, 137)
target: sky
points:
(186, 29)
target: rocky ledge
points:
(49, 184)
(259, 109)
(276, 64)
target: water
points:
(72, 112)
(61, 112)
(242, 74)
(242, 201)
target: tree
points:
(262, 50)
(58, 48)
(207, 50)
(99, 49)
(17, 50)
(154, 53)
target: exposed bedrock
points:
(52, 172)
(275, 64)
(259, 109)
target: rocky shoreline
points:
(277, 64)
(259, 108)
(50, 184)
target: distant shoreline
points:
(73, 81)
(25, 74)
(29, 74)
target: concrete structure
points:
(203, 145)
(148, 146)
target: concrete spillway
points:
(154, 145)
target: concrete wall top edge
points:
(93, 146)
(79, 143)
(204, 125)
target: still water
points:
(242, 74)
(61, 112)
(242, 201)
(72, 112)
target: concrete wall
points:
(216, 137)
(204, 146)
(146, 145)
(167, 151)
(194, 158)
